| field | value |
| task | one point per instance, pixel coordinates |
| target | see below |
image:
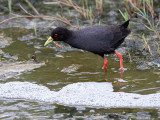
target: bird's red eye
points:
(55, 35)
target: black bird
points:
(96, 39)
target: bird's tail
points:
(125, 24)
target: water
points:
(66, 66)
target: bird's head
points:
(58, 34)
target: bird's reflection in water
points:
(121, 73)
(118, 84)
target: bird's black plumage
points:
(97, 39)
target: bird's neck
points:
(67, 36)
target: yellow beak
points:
(50, 39)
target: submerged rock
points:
(27, 37)
(155, 63)
(8, 70)
(71, 69)
(1, 52)
(5, 41)
(143, 66)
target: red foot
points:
(56, 44)
(105, 63)
(120, 58)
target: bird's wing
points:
(98, 39)
(119, 33)
(94, 39)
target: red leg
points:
(57, 45)
(105, 63)
(120, 58)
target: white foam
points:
(89, 94)
(25, 90)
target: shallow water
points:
(65, 66)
